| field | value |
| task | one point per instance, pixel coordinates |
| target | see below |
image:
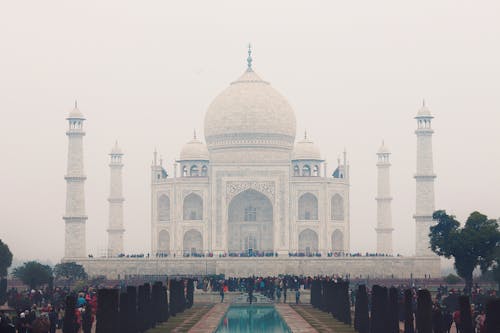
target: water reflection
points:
(255, 319)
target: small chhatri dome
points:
(194, 150)
(250, 112)
(383, 149)
(76, 113)
(116, 150)
(424, 111)
(305, 149)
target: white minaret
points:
(384, 212)
(425, 182)
(75, 217)
(115, 227)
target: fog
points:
(144, 73)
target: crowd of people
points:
(243, 254)
(43, 310)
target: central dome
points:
(248, 113)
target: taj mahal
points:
(251, 198)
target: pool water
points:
(252, 318)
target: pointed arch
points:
(250, 222)
(194, 171)
(296, 170)
(163, 242)
(306, 171)
(193, 207)
(163, 208)
(337, 207)
(308, 207)
(337, 241)
(193, 242)
(204, 171)
(308, 242)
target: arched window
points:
(337, 207)
(164, 208)
(163, 242)
(204, 171)
(184, 171)
(193, 172)
(193, 207)
(193, 242)
(337, 241)
(316, 171)
(306, 171)
(308, 207)
(296, 170)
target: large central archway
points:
(250, 223)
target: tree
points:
(70, 271)
(452, 279)
(33, 274)
(5, 259)
(471, 246)
(496, 267)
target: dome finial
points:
(194, 134)
(305, 135)
(423, 102)
(76, 104)
(249, 59)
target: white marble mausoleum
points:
(251, 198)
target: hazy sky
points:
(144, 72)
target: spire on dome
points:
(424, 111)
(76, 113)
(383, 149)
(194, 134)
(249, 59)
(305, 135)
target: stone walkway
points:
(209, 322)
(295, 322)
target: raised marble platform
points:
(376, 267)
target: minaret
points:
(425, 182)
(384, 212)
(115, 227)
(75, 217)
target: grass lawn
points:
(323, 322)
(182, 322)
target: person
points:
(437, 319)
(278, 294)
(60, 317)
(447, 321)
(480, 320)
(53, 319)
(297, 296)
(456, 319)
(284, 292)
(22, 323)
(222, 294)
(87, 319)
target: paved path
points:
(209, 322)
(294, 321)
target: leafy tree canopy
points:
(33, 274)
(70, 271)
(5, 258)
(471, 246)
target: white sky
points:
(144, 73)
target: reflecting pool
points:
(252, 318)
